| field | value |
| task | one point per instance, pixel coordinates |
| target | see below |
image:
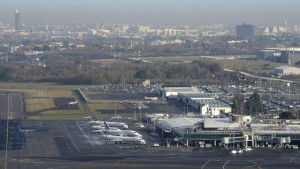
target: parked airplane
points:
(73, 102)
(129, 133)
(26, 129)
(123, 139)
(113, 124)
(99, 127)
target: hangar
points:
(172, 92)
(204, 103)
(286, 70)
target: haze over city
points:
(197, 12)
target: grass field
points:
(105, 106)
(36, 86)
(97, 107)
(58, 117)
(38, 100)
(39, 103)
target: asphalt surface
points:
(11, 106)
(72, 145)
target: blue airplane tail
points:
(106, 126)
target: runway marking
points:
(205, 164)
(83, 133)
(21, 100)
(225, 164)
(68, 145)
(292, 159)
(69, 136)
(251, 166)
(260, 166)
(11, 116)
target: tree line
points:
(85, 72)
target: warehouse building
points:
(172, 92)
(189, 97)
(288, 57)
(286, 70)
(210, 107)
(204, 103)
(268, 54)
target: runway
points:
(11, 106)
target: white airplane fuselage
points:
(111, 124)
(99, 127)
(124, 139)
(126, 133)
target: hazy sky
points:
(198, 12)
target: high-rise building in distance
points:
(245, 31)
(17, 20)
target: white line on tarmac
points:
(21, 103)
(83, 133)
(292, 159)
(69, 136)
(225, 164)
(254, 164)
(205, 164)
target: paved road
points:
(260, 77)
(11, 106)
(84, 104)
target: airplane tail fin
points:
(106, 126)
(88, 117)
(90, 120)
(101, 134)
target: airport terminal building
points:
(229, 131)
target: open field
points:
(105, 106)
(38, 104)
(98, 108)
(39, 101)
(57, 115)
(44, 108)
(36, 100)
(36, 86)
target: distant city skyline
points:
(18, 20)
(179, 12)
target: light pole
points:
(134, 113)
(140, 115)
(289, 85)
